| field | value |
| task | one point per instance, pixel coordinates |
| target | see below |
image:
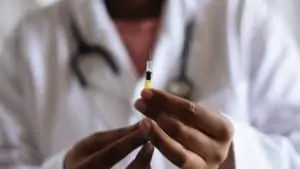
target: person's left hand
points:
(189, 135)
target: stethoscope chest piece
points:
(181, 87)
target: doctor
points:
(64, 106)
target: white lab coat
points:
(243, 61)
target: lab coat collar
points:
(97, 27)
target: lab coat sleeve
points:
(18, 145)
(273, 140)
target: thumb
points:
(144, 157)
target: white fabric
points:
(15, 9)
(289, 10)
(243, 61)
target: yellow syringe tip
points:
(148, 84)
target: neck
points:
(134, 9)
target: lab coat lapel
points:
(97, 28)
(170, 43)
(167, 54)
(107, 93)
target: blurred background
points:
(12, 10)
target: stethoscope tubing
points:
(83, 50)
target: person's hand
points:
(103, 150)
(189, 135)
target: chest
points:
(139, 39)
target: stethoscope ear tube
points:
(186, 49)
(76, 70)
(83, 50)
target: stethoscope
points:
(180, 85)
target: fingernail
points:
(140, 106)
(147, 94)
(145, 128)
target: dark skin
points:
(105, 149)
(191, 138)
(198, 139)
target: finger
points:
(143, 159)
(207, 121)
(172, 150)
(119, 149)
(97, 141)
(193, 140)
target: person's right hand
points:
(105, 149)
